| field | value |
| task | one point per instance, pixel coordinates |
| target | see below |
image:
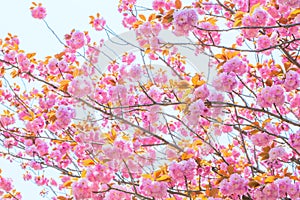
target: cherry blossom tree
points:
(166, 132)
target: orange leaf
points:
(270, 179)
(230, 169)
(237, 23)
(164, 178)
(88, 162)
(252, 9)
(294, 13)
(142, 17)
(83, 173)
(68, 183)
(178, 4)
(253, 184)
(220, 56)
(30, 55)
(186, 156)
(61, 198)
(151, 17)
(147, 176)
(64, 85)
(183, 84)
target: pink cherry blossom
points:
(201, 92)
(99, 23)
(271, 95)
(184, 21)
(38, 12)
(277, 152)
(236, 65)
(76, 39)
(179, 171)
(225, 82)
(292, 80)
(153, 189)
(294, 140)
(234, 185)
(261, 139)
(81, 86)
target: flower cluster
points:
(186, 169)
(76, 39)
(38, 11)
(147, 34)
(278, 189)
(234, 185)
(153, 188)
(98, 22)
(261, 139)
(271, 95)
(196, 109)
(81, 86)
(5, 185)
(277, 152)
(225, 82)
(292, 80)
(258, 18)
(236, 65)
(184, 21)
(64, 115)
(201, 92)
(294, 140)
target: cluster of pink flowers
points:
(36, 125)
(125, 5)
(153, 189)
(290, 3)
(292, 80)
(148, 34)
(186, 169)
(81, 86)
(83, 188)
(196, 109)
(225, 82)
(201, 92)
(294, 140)
(277, 152)
(235, 185)
(5, 185)
(184, 21)
(41, 180)
(77, 39)
(64, 115)
(261, 139)
(55, 66)
(281, 188)
(38, 146)
(115, 194)
(118, 151)
(236, 65)
(213, 37)
(98, 23)
(24, 62)
(38, 12)
(263, 42)
(259, 18)
(271, 95)
(99, 174)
